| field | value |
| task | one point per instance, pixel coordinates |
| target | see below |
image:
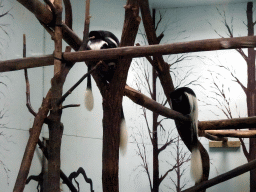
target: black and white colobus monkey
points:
(105, 40)
(100, 40)
(184, 101)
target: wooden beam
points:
(233, 133)
(223, 177)
(173, 48)
(236, 123)
(219, 144)
(131, 52)
(29, 62)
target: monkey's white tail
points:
(123, 137)
(196, 169)
(88, 99)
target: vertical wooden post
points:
(55, 126)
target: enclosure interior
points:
(82, 138)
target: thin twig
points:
(28, 103)
(71, 105)
(86, 25)
(214, 137)
(62, 99)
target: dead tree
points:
(248, 90)
(143, 81)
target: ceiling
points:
(188, 3)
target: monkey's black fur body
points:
(104, 40)
(184, 101)
(180, 103)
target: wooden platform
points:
(224, 144)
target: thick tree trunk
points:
(155, 133)
(112, 103)
(155, 140)
(55, 126)
(111, 138)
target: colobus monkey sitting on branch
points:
(184, 101)
(105, 40)
(100, 40)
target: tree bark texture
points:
(55, 126)
(112, 103)
(156, 181)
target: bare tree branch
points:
(223, 177)
(147, 125)
(143, 155)
(28, 104)
(166, 145)
(245, 151)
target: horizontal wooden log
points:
(233, 133)
(24, 63)
(166, 49)
(131, 51)
(223, 177)
(236, 123)
(46, 16)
